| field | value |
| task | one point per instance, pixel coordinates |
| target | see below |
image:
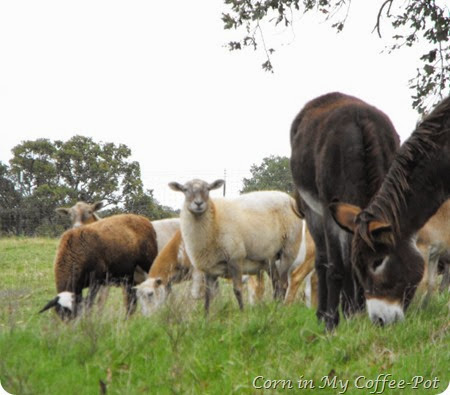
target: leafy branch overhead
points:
(425, 21)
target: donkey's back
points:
(341, 149)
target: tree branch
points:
(380, 11)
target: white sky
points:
(156, 77)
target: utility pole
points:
(225, 183)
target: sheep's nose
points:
(199, 204)
(380, 321)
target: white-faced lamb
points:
(104, 252)
(171, 266)
(236, 236)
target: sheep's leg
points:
(210, 284)
(236, 276)
(433, 261)
(276, 280)
(198, 281)
(314, 289)
(445, 278)
(296, 278)
(93, 290)
(103, 296)
(130, 297)
(255, 287)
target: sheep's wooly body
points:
(165, 229)
(105, 251)
(253, 228)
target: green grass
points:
(179, 351)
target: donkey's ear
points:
(176, 186)
(345, 215)
(216, 184)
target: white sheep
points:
(165, 229)
(242, 235)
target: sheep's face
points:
(81, 213)
(64, 305)
(151, 294)
(196, 193)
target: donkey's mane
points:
(426, 140)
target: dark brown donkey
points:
(383, 251)
(341, 150)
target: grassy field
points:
(179, 351)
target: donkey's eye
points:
(377, 263)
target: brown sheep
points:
(97, 254)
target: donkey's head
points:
(389, 269)
(196, 193)
(81, 213)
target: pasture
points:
(179, 351)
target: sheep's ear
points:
(97, 206)
(345, 215)
(63, 211)
(216, 184)
(176, 186)
(158, 281)
(49, 305)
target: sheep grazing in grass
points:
(84, 213)
(232, 237)
(104, 252)
(81, 213)
(171, 266)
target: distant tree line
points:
(44, 175)
(274, 173)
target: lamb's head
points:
(196, 193)
(151, 294)
(81, 213)
(64, 305)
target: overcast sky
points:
(156, 77)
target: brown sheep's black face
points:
(64, 304)
(196, 193)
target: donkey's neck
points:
(412, 192)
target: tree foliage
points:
(44, 175)
(272, 174)
(413, 21)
